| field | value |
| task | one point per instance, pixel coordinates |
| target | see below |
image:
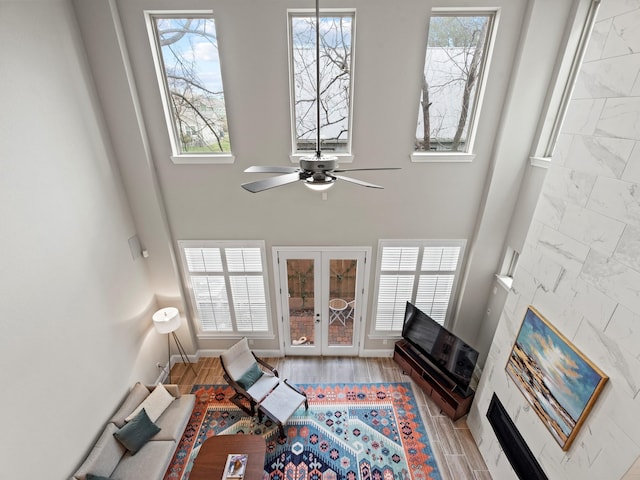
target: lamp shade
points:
(166, 320)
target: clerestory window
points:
(423, 272)
(457, 51)
(187, 64)
(336, 80)
(228, 284)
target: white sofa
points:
(109, 458)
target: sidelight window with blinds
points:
(228, 285)
(423, 272)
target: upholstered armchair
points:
(251, 377)
(257, 383)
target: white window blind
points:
(203, 259)
(244, 259)
(249, 303)
(400, 258)
(440, 258)
(228, 287)
(421, 272)
(393, 293)
(212, 303)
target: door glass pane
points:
(300, 279)
(342, 294)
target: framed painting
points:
(559, 382)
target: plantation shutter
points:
(227, 288)
(435, 287)
(395, 287)
(247, 291)
(421, 273)
(395, 291)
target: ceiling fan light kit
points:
(319, 179)
(316, 172)
(319, 185)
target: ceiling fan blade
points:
(264, 169)
(358, 182)
(361, 169)
(267, 183)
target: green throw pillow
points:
(135, 434)
(91, 476)
(251, 376)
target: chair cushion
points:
(135, 434)
(263, 386)
(156, 403)
(238, 359)
(251, 376)
(282, 402)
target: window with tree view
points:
(455, 61)
(188, 66)
(336, 31)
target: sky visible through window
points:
(192, 77)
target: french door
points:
(321, 298)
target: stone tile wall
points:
(581, 264)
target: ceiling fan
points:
(318, 172)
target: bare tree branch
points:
(199, 113)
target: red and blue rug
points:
(350, 432)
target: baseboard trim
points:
(379, 353)
(209, 353)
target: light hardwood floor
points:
(455, 450)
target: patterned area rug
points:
(350, 432)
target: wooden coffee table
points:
(210, 462)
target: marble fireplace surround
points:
(580, 265)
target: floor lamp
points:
(167, 320)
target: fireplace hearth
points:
(513, 445)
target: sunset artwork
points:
(559, 382)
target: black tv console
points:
(443, 392)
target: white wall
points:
(75, 329)
(471, 201)
(580, 264)
(207, 202)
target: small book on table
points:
(236, 466)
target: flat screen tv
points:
(450, 354)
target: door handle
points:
(317, 318)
